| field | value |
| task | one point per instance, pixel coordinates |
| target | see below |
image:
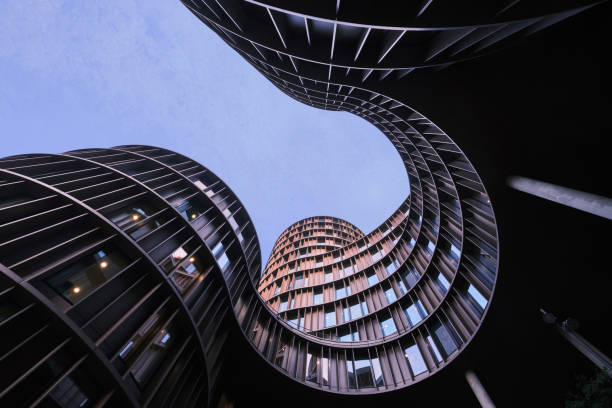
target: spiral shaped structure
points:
(124, 270)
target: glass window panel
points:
(455, 252)
(340, 292)
(190, 209)
(356, 311)
(364, 308)
(401, 286)
(413, 315)
(324, 371)
(442, 283)
(330, 318)
(477, 296)
(372, 278)
(435, 350)
(312, 365)
(378, 375)
(411, 243)
(318, 296)
(80, 278)
(364, 373)
(388, 327)
(186, 273)
(415, 359)
(444, 339)
(392, 267)
(222, 259)
(346, 314)
(283, 305)
(390, 295)
(299, 282)
(350, 372)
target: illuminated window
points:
(80, 278)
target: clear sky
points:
(76, 74)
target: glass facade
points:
(78, 280)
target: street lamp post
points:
(479, 390)
(567, 329)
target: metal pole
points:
(567, 330)
(478, 389)
(580, 200)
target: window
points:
(376, 256)
(324, 371)
(230, 218)
(340, 292)
(128, 216)
(442, 283)
(430, 247)
(357, 310)
(148, 361)
(348, 270)
(190, 209)
(390, 294)
(220, 256)
(350, 373)
(392, 267)
(401, 286)
(415, 360)
(378, 375)
(372, 279)
(186, 272)
(277, 289)
(330, 317)
(443, 338)
(411, 277)
(283, 305)
(79, 279)
(388, 327)
(312, 365)
(364, 308)
(348, 336)
(415, 313)
(435, 350)
(317, 297)
(329, 277)
(476, 300)
(299, 282)
(364, 373)
(455, 252)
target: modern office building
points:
(132, 276)
(125, 270)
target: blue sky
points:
(77, 74)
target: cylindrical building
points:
(112, 285)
